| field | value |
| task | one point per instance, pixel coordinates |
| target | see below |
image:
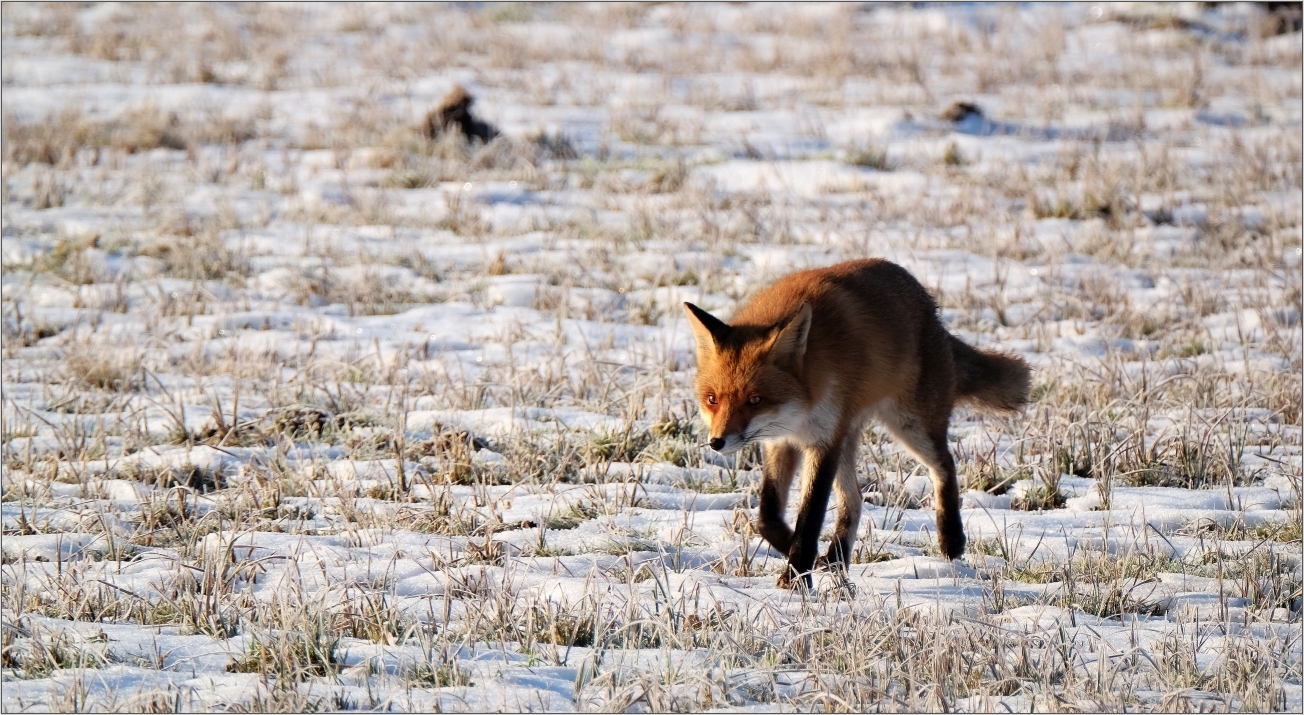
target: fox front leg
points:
(850, 504)
(810, 517)
(780, 461)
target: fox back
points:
(837, 340)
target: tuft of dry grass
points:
(62, 139)
(103, 367)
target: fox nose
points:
(717, 443)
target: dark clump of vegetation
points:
(454, 114)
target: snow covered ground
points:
(306, 410)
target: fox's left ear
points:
(789, 345)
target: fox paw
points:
(792, 582)
(785, 580)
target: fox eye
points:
(710, 398)
(754, 400)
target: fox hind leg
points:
(780, 461)
(928, 444)
(946, 496)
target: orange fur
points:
(808, 360)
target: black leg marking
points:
(780, 461)
(946, 494)
(770, 522)
(850, 504)
(810, 519)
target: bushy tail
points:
(990, 379)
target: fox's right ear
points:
(789, 343)
(707, 329)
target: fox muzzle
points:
(726, 444)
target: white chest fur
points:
(807, 427)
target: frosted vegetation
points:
(307, 407)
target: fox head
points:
(748, 384)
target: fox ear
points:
(707, 329)
(789, 345)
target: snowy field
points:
(306, 410)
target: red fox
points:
(804, 365)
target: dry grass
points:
(264, 297)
